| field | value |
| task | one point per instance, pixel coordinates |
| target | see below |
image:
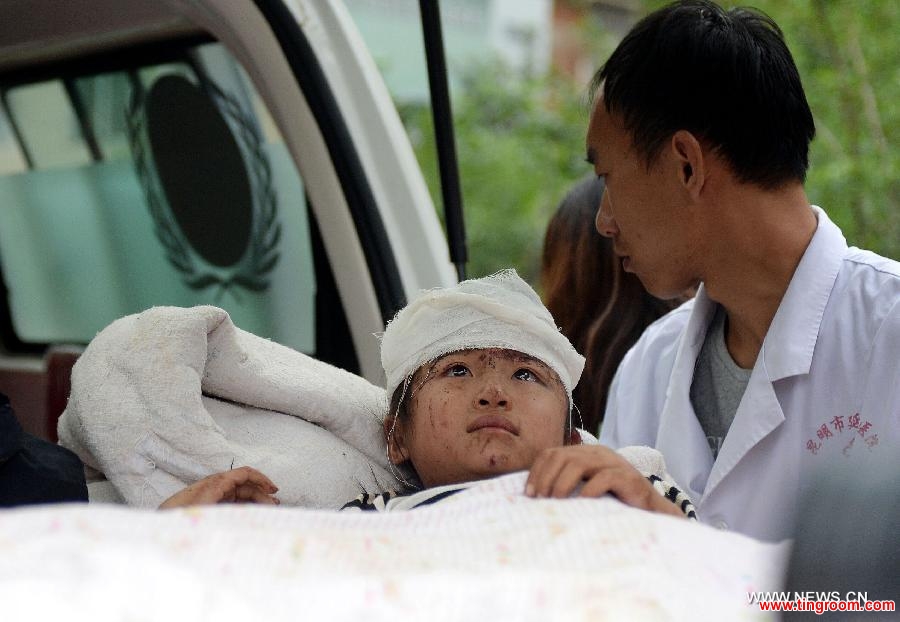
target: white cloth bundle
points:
(497, 311)
(168, 396)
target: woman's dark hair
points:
(601, 308)
(725, 76)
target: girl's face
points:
(479, 413)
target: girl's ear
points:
(573, 437)
(396, 445)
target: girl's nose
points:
(492, 395)
(605, 223)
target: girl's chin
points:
(495, 463)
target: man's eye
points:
(525, 374)
(457, 370)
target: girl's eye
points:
(525, 374)
(457, 370)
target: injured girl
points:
(481, 384)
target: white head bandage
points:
(497, 311)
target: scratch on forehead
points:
(489, 356)
(510, 355)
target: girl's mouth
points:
(496, 422)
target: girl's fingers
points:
(543, 473)
(600, 484)
(246, 474)
(568, 479)
(244, 484)
(250, 493)
(555, 469)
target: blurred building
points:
(584, 31)
(518, 32)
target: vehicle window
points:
(156, 184)
(11, 158)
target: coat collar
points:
(680, 437)
(791, 339)
(787, 349)
(789, 344)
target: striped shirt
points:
(393, 501)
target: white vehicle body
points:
(325, 99)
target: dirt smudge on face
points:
(498, 461)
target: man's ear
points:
(396, 445)
(573, 437)
(690, 162)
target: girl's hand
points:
(241, 485)
(557, 473)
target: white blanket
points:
(488, 553)
(168, 396)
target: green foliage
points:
(520, 146)
(847, 52)
(520, 139)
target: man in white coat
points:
(787, 363)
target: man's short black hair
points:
(725, 76)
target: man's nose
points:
(605, 223)
(492, 395)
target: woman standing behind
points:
(601, 308)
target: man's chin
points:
(665, 291)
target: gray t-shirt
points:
(718, 385)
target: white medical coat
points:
(824, 392)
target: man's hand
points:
(557, 472)
(242, 485)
